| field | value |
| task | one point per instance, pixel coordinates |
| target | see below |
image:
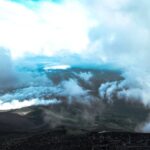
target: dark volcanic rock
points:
(10, 122)
(60, 140)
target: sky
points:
(43, 27)
(113, 32)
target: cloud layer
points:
(115, 32)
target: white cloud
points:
(30, 92)
(72, 88)
(86, 76)
(44, 29)
(17, 104)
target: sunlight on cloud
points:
(17, 104)
(45, 29)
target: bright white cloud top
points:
(43, 27)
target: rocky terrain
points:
(60, 140)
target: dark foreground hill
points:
(60, 140)
(25, 129)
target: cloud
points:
(72, 88)
(17, 104)
(7, 72)
(146, 128)
(113, 32)
(86, 76)
(121, 90)
(30, 93)
(39, 27)
(121, 38)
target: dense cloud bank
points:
(101, 32)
